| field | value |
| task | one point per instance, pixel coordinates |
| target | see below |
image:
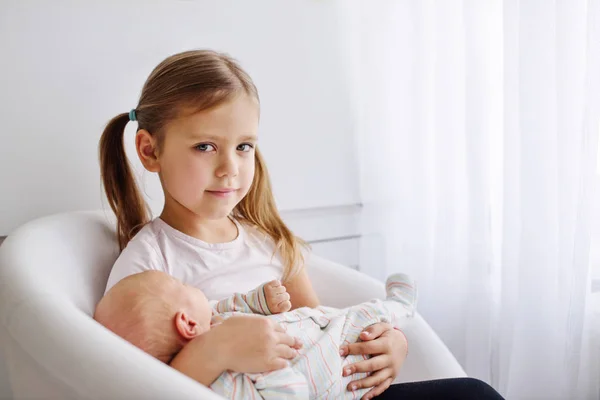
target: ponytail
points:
(119, 183)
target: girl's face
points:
(207, 161)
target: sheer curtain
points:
(477, 125)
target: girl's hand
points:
(245, 343)
(253, 343)
(278, 299)
(387, 348)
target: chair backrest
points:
(67, 255)
(53, 271)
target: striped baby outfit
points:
(316, 373)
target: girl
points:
(220, 230)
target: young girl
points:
(219, 230)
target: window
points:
(595, 239)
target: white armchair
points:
(53, 271)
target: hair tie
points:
(132, 116)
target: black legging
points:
(442, 389)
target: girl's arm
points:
(301, 291)
(199, 360)
(245, 343)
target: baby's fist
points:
(278, 299)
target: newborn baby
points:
(160, 315)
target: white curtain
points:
(477, 128)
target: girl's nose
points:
(228, 166)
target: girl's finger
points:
(375, 330)
(371, 380)
(370, 365)
(285, 339)
(297, 344)
(279, 328)
(277, 363)
(377, 390)
(285, 352)
(378, 346)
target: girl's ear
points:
(145, 145)
(186, 326)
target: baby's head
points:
(155, 312)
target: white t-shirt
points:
(218, 269)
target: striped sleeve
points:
(253, 302)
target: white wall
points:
(69, 66)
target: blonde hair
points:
(197, 79)
(138, 310)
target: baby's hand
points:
(278, 299)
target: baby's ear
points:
(186, 326)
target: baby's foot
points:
(401, 288)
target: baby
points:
(160, 315)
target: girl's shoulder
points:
(146, 241)
(142, 253)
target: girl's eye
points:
(205, 147)
(245, 147)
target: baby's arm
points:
(269, 298)
(253, 302)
